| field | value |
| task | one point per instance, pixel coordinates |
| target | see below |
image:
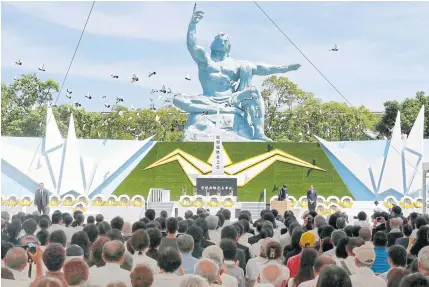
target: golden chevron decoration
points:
(245, 170)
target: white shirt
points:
(244, 242)
(280, 224)
(140, 259)
(310, 283)
(252, 267)
(365, 277)
(349, 262)
(214, 236)
(110, 272)
(78, 228)
(362, 223)
(166, 280)
(255, 249)
(21, 275)
(55, 227)
(69, 231)
(330, 252)
(314, 231)
(14, 283)
(414, 234)
(285, 240)
(228, 280)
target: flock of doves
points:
(134, 79)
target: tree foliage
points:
(409, 109)
(291, 115)
(295, 115)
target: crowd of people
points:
(203, 249)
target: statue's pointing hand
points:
(294, 67)
(197, 16)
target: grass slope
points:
(172, 177)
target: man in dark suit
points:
(283, 193)
(41, 199)
(312, 198)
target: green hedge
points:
(172, 177)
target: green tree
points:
(409, 109)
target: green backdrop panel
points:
(171, 176)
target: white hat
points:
(365, 254)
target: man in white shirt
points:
(253, 266)
(348, 264)
(57, 222)
(320, 262)
(113, 255)
(16, 261)
(378, 207)
(362, 220)
(364, 276)
(76, 272)
(80, 220)
(142, 275)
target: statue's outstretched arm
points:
(265, 70)
(197, 52)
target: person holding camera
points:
(16, 261)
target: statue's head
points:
(221, 44)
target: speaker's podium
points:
(281, 206)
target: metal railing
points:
(157, 195)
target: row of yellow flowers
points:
(199, 201)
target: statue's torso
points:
(216, 77)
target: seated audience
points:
(185, 244)
(169, 262)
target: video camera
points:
(30, 247)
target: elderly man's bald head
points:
(142, 276)
(273, 273)
(365, 234)
(208, 269)
(75, 271)
(113, 251)
(16, 258)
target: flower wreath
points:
(346, 201)
(137, 201)
(81, 198)
(68, 200)
(303, 201)
(186, 201)
(111, 200)
(332, 199)
(388, 201)
(12, 201)
(407, 202)
(98, 201)
(26, 201)
(120, 199)
(418, 202)
(213, 201)
(54, 201)
(320, 200)
(332, 208)
(198, 201)
(292, 201)
(228, 201)
(321, 208)
(79, 206)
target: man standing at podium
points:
(283, 193)
(312, 198)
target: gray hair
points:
(212, 222)
(208, 269)
(423, 257)
(16, 257)
(216, 259)
(365, 234)
(341, 223)
(274, 274)
(191, 280)
(213, 250)
(337, 235)
(185, 243)
(319, 221)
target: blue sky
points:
(383, 46)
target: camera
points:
(378, 219)
(30, 247)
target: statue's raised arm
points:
(266, 70)
(197, 52)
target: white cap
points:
(365, 254)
